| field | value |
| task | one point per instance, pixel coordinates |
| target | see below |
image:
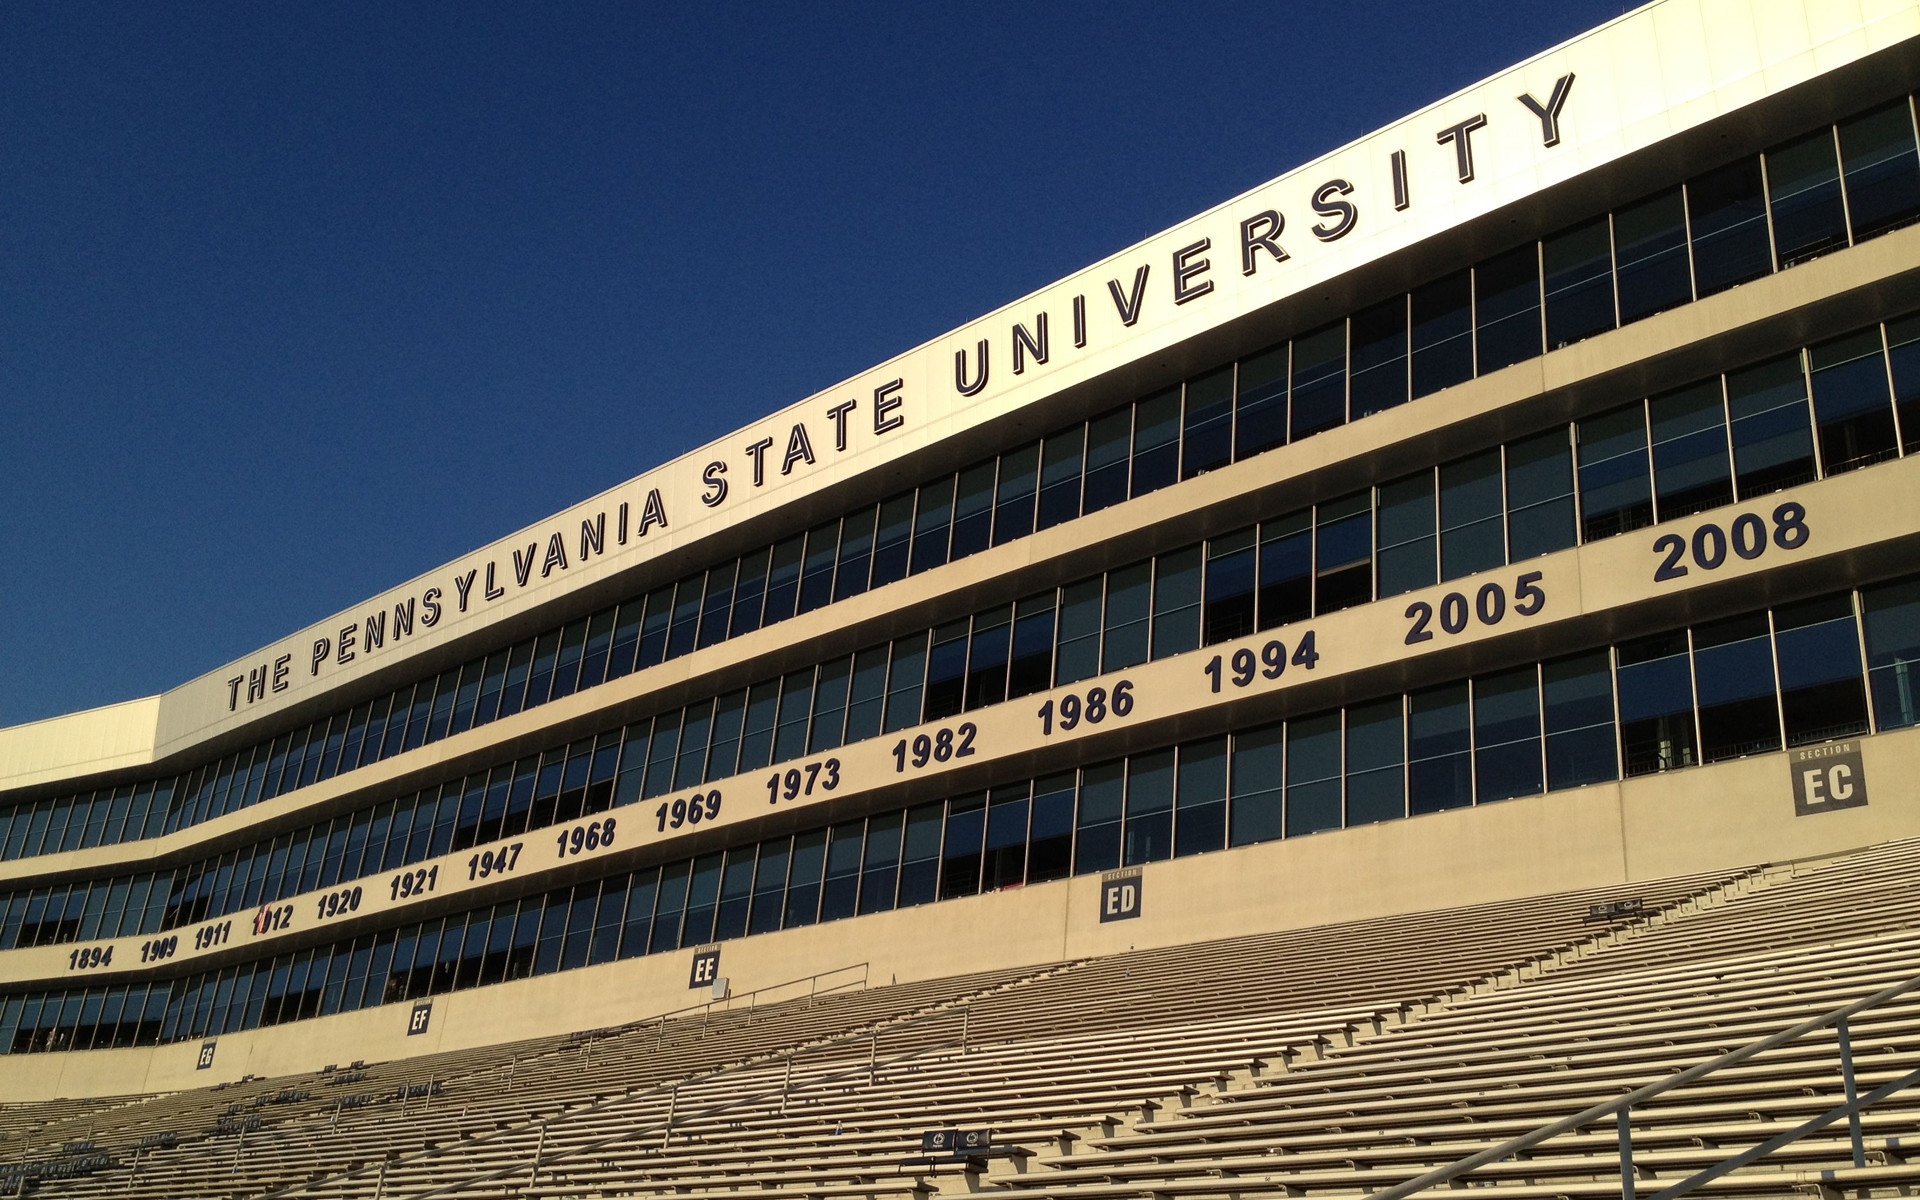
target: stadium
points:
(1404, 680)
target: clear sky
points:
(297, 302)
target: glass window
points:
(1014, 497)
(669, 906)
(1200, 798)
(1006, 861)
(803, 878)
(1032, 667)
(1079, 655)
(880, 864)
(1156, 442)
(639, 920)
(840, 891)
(1579, 720)
(696, 729)
(1851, 402)
(1103, 791)
(1259, 767)
(892, 539)
(783, 580)
(1772, 443)
(1379, 358)
(1208, 441)
(1540, 512)
(1129, 605)
(1891, 618)
(1473, 536)
(1733, 677)
(1803, 181)
(920, 854)
(1903, 341)
(1506, 309)
(867, 697)
(1727, 211)
(1818, 650)
(973, 510)
(1319, 398)
(1050, 834)
(987, 657)
(1232, 570)
(1579, 282)
(729, 716)
(1149, 826)
(932, 524)
(736, 893)
(1109, 438)
(1260, 403)
(1376, 756)
(1343, 553)
(856, 554)
(1506, 735)
(947, 671)
(1650, 251)
(1689, 436)
(1656, 704)
(816, 571)
(904, 682)
(1286, 570)
(1882, 172)
(756, 734)
(1614, 492)
(1176, 602)
(687, 595)
(796, 709)
(1439, 749)
(830, 706)
(1060, 460)
(749, 594)
(1405, 531)
(1313, 774)
(1442, 333)
(769, 885)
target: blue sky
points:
(296, 303)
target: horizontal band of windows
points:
(1752, 683)
(1823, 191)
(1775, 424)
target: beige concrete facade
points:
(1671, 71)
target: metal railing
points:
(671, 1089)
(1621, 1108)
(871, 1069)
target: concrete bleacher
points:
(1340, 1059)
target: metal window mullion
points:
(1406, 344)
(1693, 686)
(1813, 413)
(1346, 374)
(1857, 603)
(1473, 318)
(1540, 290)
(1846, 212)
(1613, 268)
(1766, 205)
(1893, 395)
(1726, 422)
(1653, 479)
(1686, 232)
(1506, 510)
(1779, 698)
(1473, 748)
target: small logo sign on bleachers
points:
(955, 1141)
(706, 968)
(417, 1019)
(1827, 777)
(1120, 895)
(206, 1056)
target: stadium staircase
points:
(1372, 1057)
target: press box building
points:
(1517, 498)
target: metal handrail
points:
(872, 1033)
(1620, 1107)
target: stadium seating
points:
(1337, 1060)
